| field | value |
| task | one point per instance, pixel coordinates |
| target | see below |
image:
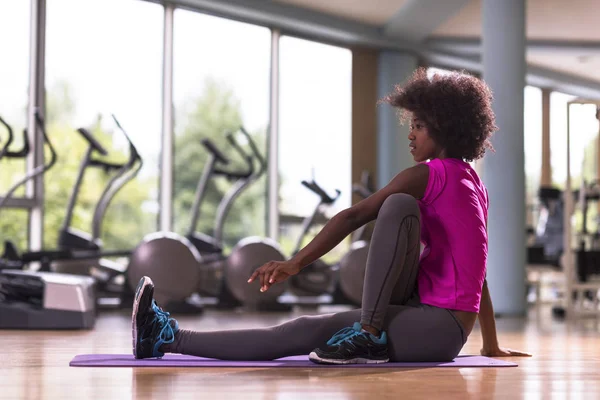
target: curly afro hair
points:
(455, 107)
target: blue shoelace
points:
(158, 310)
(167, 334)
(343, 335)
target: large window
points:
(104, 57)
(558, 140)
(315, 131)
(583, 148)
(533, 149)
(221, 72)
(14, 84)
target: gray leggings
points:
(416, 332)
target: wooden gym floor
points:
(566, 365)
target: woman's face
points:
(422, 146)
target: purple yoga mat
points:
(176, 360)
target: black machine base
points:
(23, 316)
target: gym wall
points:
(364, 114)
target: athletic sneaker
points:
(151, 326)
(352, 346)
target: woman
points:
(415, 307)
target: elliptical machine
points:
(41, 300)
(79, 253)
(86, 254)
(183, 265)
(353, 265)
(319, 278)
(342, 281)
(22, 153)
(10, 259)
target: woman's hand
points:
(274, 272)
(498, 351)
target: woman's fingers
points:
(267, 274)
(256, 273)
(271, 271)
(518, 353)
(277, 277)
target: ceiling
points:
(546, 19)
(558, 24)
(372, 12)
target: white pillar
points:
(37, 60)
(166, 159)
(273, 139)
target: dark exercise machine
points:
(341, 283)
(195, 263)
(317, 281)
(83, 253)
(41, 300)
(548, 246)
(79, 253)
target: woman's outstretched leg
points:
(390, 277)
(154, 334)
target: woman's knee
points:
(398, 206)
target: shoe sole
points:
(318, 360)
(142, 285)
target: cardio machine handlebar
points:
(254, 148)
(134, 155)
(41, 169)
(10, 138)
(238, 175)
(92, 141)
(231, 139)
(220, 156)
(210, 146)
(325, 198)
(14, 154)
(125, 173)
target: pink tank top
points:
(453, 230)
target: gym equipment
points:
(317, 278)
(576, 290)
(45, 300)
(179, 360)
(588, 251)
(41, 300)
(548, 233)
(73, 244)
(353, 265)
(79, 253)
(17, 154)
(545, 243)
(212, 282)
(86, 254)
(9, 140)
(22, 153)
(180, 264)
(74, 240)
(195, 250)
(342, 281)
